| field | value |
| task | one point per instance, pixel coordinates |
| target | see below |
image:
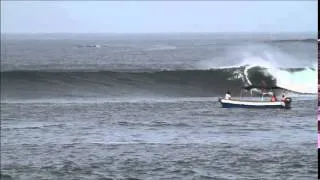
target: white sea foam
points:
(275, 62)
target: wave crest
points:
(177, 83)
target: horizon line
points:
(120, 33)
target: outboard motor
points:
(287, 102)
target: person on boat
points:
(273, 98)
(228, 95)
(283, 97)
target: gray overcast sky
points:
(157, 16)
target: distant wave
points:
(89, 46)
(308, 40)
(161, 48)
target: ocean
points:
(145, 106)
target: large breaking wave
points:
(174, 83)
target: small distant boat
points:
(90, 46)
(240, 103)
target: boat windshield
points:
(267, 93)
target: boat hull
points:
(253, 104)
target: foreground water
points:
(145, 107)
(182, 138)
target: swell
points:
(307, 40)
(177, 83)
(109, 83)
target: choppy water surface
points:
(119, 117)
